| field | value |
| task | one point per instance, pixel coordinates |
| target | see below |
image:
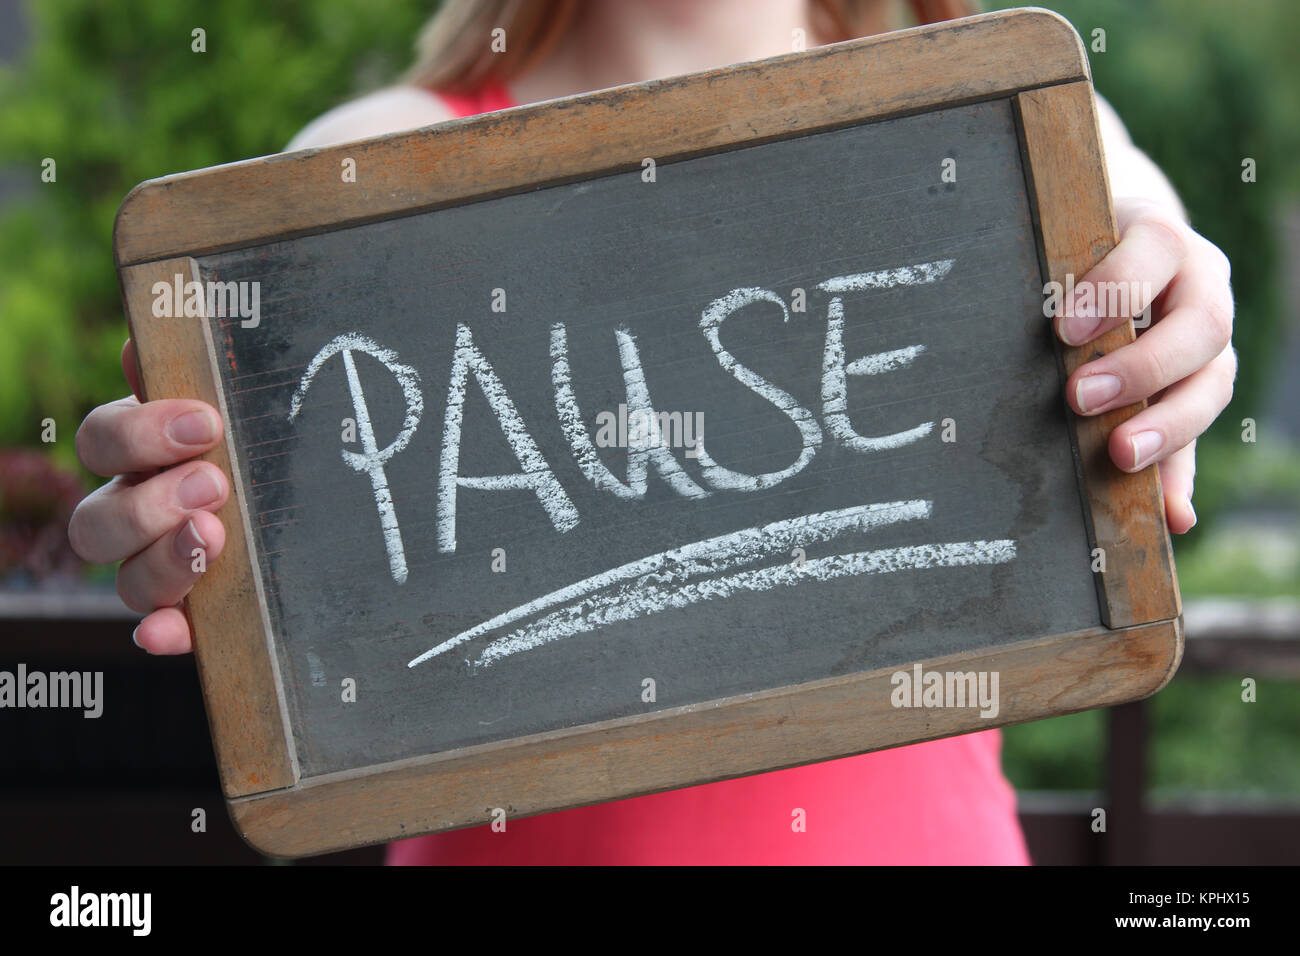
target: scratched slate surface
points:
(616, 252)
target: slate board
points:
(619, 253)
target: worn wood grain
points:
(302, 192)
(235, 664)
(718, 740)
(1125, 511)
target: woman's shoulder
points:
(385, 111)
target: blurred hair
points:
(455, 54)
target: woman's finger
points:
(1177, 473)
(163, 573)
(130, 370)
(165, 631)
(128, 515)
(126, 436)
(1182, 413)
(1153, 245)
(1196, 327)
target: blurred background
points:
(112, 92)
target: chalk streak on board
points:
(652, 594)
(883, 362)
(645, 449)
(919, 274)
(834, 371)
(536, 475)
(810, 432)
(708, 556)
(372, 459)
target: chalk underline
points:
(610, 609)
(687, 575)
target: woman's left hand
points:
(1184, 362)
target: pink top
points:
(942, 802)
(486, 100)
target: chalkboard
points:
(590, 453)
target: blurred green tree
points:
(1203, 85)
(114, 93)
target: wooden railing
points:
(1259, 639)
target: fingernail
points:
(187, 541)
(135, 637)
(198, 489)
(1192, 512)
(193, 428)
(1094, 391)
(1079, 324)
(1145, 447)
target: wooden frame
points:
(1031, 57)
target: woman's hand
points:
(158, 507)
(1184, 362)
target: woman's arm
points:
(376, 114)
(1132, 173)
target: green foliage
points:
(112, 91)
(1207, 739)
(1064, 753)
(1202, 84)
(1257, 557)
(1203, 737)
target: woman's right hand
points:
(158, 507)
